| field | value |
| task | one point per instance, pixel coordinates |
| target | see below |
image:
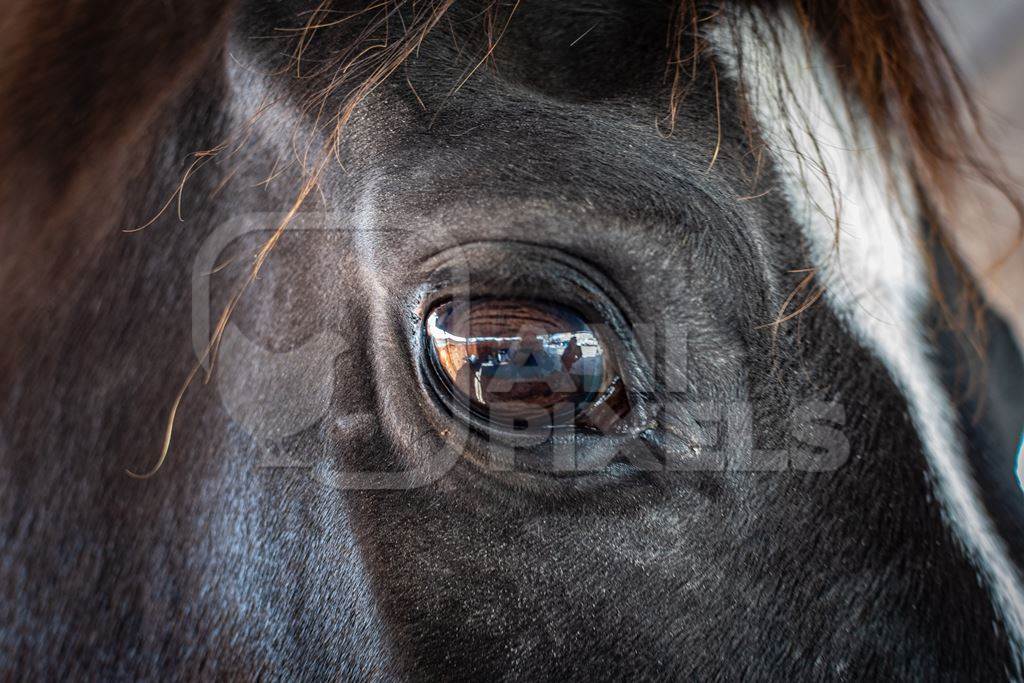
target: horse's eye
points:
(525, 365)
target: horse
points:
(250, 247)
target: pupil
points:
(518, 363)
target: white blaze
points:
(875, 276)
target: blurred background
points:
(988, 38)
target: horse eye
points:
(525, 365)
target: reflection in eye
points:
(525, 364)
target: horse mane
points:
(888, 55)
(80, 85)
(899, 73)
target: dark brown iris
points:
(516, 362)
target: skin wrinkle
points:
(219, 565)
